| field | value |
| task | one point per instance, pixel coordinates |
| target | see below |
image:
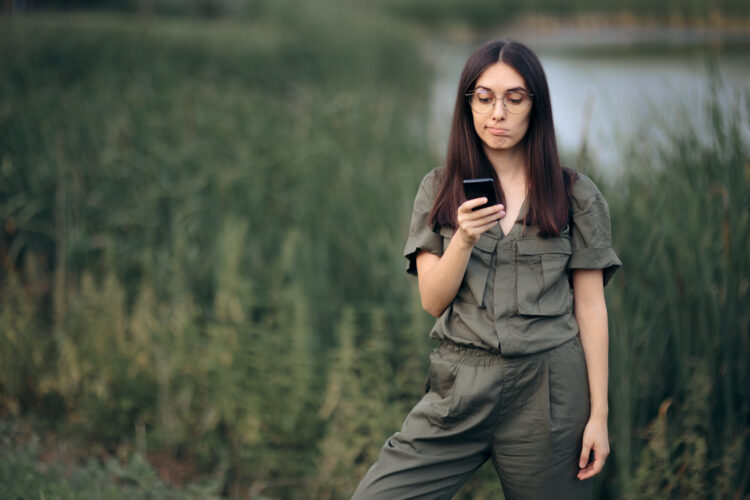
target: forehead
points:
(500, 77)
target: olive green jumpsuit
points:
(508, 380)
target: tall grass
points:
(680, 309)
(185, 209)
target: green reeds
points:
(680, 308)
(197, 202)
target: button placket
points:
(477, 275)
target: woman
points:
(520, 373)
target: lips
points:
(497, 131)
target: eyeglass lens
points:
(483, 101)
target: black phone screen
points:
(476, 188)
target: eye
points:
(515, 97)
(484, 97)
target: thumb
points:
(585, 453)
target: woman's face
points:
(499, 129)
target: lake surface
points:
(611, 87)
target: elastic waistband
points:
(467, 354)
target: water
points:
(610, 88)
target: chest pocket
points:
(475, 282)
(542, 287)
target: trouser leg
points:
(402, 473)
(528, 413)
(538, 439)
(444, 439)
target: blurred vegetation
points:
(484, 14)
(200, 243)
(480, 14)
(25, 472)
(186, 208)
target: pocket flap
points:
(486, 242)
(539, 246)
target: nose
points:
(498, 111)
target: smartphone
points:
(476, 188)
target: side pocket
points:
(440, 384)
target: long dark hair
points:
(549, 183)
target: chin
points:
(502, 145)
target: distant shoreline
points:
(598, 30)
(716, 20)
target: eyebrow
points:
(514, 89)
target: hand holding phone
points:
(471, 225)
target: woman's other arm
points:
(440, 277)
(591, 315)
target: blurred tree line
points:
(477, 13)
(201, 228)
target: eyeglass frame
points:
(502, 99)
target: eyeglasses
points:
(514, 101)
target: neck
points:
(510, 165)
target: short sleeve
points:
(421, 235)
(591, 231)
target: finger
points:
(593, 468)
(471, 220)
(481, 221)
(475, 228)
(471, 206)
(598, 466)
(481, 229)
(589, 472)
(585, 454)
(599, 458)
(491, 210)
(584, 474)
(474, 202)
(488, 226)
(481, 217)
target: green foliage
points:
(674, 462)
(22, 346)
(178, 179)
(24, 474)
(95, 376)
(357, 408)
